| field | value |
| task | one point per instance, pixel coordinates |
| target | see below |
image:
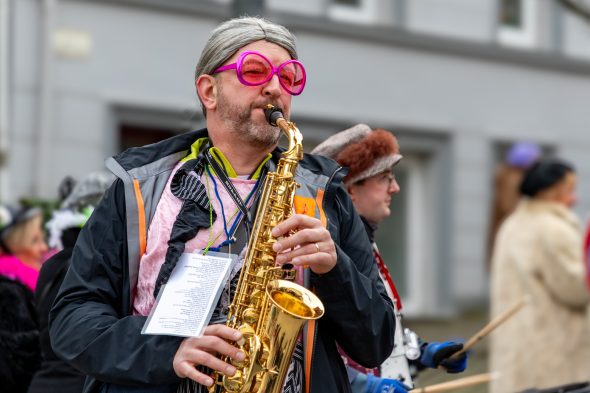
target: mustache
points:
(263, 105)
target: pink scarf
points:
(13, 268)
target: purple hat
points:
(523, 154)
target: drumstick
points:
(487, 329)
(457, 384)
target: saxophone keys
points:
(239, 363)
(233, 383)
(250, 316)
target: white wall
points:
(144, 59)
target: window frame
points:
(365, 12)
(524, 36)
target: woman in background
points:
(22, 247)
(507, 179)
(538, 255)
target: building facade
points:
(456, 80)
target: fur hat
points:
(364, 151)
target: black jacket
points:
(55, 375)
(19, 336)
(91, 323)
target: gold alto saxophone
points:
(268, 308)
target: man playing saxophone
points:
(195, 192)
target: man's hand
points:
(439, 354)
(311, 244)
(195, 351)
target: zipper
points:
(326, 194)
(332, 176)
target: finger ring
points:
(317, 246)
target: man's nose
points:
(394, 187)
(272, 87)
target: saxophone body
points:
(268, 307)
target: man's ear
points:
(351, 191)
(206, 86)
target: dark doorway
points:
(133, 135)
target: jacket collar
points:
(370, 227)
(554, 208)
(136, 157)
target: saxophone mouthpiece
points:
(273, 113)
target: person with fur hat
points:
(22, 247)
(370, 157)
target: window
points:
(407, 239)
(517, 23)
(511, 13)
(391, 237)
(356, 11)
(353, 3)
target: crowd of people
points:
(31, 272)
(72, 313)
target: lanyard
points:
(212, 240)
(230, 232)
(233, 193)
(385, 273)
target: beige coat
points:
(538, 252)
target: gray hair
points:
(231, 35)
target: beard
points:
(243, 127)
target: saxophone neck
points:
(274, 115)
(295, 149)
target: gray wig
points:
(235, 33)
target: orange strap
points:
(306, 206)
(140, 217)
(308, 352)
(311, 325)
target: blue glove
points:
(385, 385)
(438, 354)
